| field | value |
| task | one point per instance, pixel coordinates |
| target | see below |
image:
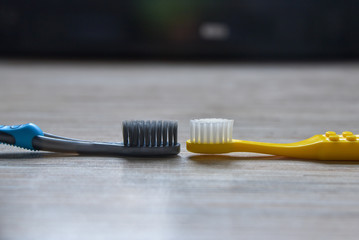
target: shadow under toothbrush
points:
(201, 159)
(33, 155)
(49, 155)
(218, 159)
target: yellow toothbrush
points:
(214, 136)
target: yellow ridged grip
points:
(329, 146)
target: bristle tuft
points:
(149, 133)
(211, 130)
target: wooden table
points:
(237, 196)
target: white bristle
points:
(211, 130)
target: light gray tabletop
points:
(236, 196)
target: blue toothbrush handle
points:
(20, 135)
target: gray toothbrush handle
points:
(64, 145)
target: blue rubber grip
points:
(23, 134)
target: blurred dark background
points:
(211, 29)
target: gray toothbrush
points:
(140, 138)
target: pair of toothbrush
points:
(214, 136)
(140, 138)
(207, 136)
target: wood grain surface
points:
(237, 196)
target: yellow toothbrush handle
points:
(307, 149)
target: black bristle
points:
(131, 133)
(170, 134)
(175, 127)
(125, 132)
(142, 135)
(150, 133)
(159, 127)
(164, 132)
(153, 133)
(136, 134)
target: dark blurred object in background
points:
(181, 28)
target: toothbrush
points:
(140, 138)
(214, 136)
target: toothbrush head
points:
(210, 135)
(211, 130)
(151, 137)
